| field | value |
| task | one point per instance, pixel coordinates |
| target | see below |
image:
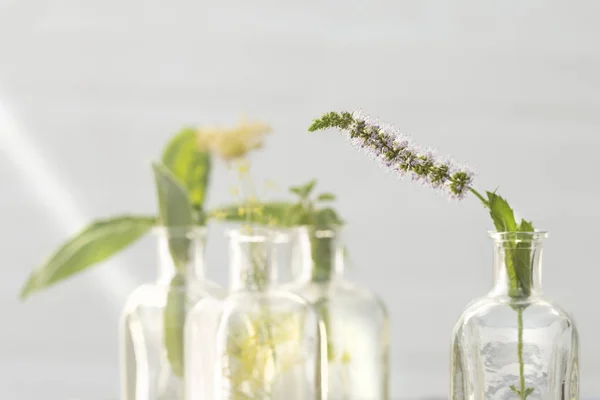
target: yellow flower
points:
(346, 357)
(233, 143)
(242, 167)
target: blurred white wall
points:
(90, 91)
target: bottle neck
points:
(317, 255)
(180, 252)
(517, 267)
(251, 265)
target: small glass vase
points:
(514, 343)
(152, 322)
(356, 320)
(269, 342)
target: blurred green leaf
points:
(174, 321)
(97, 242)
(299, 215)
(175, 212)
(190, 166)
(304, 190)
(326, 197)
(327, 217)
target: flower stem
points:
(479, 196)
(522, 391)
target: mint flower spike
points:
(397, 152)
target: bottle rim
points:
(536, 236)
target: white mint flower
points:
(397, 152)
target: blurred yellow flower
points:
(346, 357)
(233, 143)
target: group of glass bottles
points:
(321, 337)
(316, 337)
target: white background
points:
(91, 90)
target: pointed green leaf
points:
(326, 197)
(174, 321)
(175, 211)
(501, 213)
(522, 259)
(526, 226)
(514, 389)
(528, 391)
(190, 166)
(97, 242)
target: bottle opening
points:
(516, 237)
(258, 235)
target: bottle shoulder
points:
(147, 293)
(155, 294)
(274, 296)
(501, 310)
(340, 293)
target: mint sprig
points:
(518, 268)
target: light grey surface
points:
(89, 92)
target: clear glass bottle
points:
(152, 322)
(356, 320)
(269, 343)
(514, 343)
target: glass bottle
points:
(269, 342)
(152, 321)
(514, 343)
(356, 320)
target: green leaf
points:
(304, 190)
(174, 321)
(175, 211)
(528, 391)
(326, 197)
(300, 215)
(327, 218)
(522, 259)
(190, 166)
(518, 254)
(97, 242)
(501, 213)
(514, 389)
(526, 226)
